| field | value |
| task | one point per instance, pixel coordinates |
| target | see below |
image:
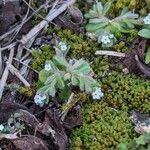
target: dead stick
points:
(110, 53)
(51, 15)
(14, 71)
(5, 74)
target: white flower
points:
(47, 67)
(111, 36)
(39, 100)
(1, 127)
(62, 46)
(105, 39)
(97, 94)
(147, 20)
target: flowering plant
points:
(99, 23)
(60, 76)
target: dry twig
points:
(110, 53)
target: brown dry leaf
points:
(28, 118)
(137, 48)
(73, 118)
(32, 121)
(143, 68)
(60, 137)
(29, 142)
(73, 21)
(9, 108)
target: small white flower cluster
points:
(97, 93)
(147, 19)
(39, 100)
(106, 39)
(1, 127)
(47, 67)
(62, 46)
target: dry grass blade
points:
(38, 28)
(5, 74)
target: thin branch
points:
(14, 71)
(8, 46)
(64, 113)
(110, 53)
(28, 39)
(5, 74)
(25, 64)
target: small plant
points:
(102, 26)
(13, 124)
(60, 76)
(145, 32)
(140, 143)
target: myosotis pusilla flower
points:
(47, 67)
(39, 100)
(1, 127)
(147, 20)
(97, 93)
(62, 46)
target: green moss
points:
(81, 47)
(40, 55)
(102, 129)
(127, 90)
(26, 91)
(125, 41)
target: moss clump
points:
(127, 90)
(26, 91)
(40, 55)
(132, 4)
(125, 40)
(81, 47)
(102, 129)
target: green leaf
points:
(60, 62)
(88, 15)
(60, 82)
(115, 27)
(96, 20)
(74, 80)
(144, 33)
(43, 75)
(129, 24)
(91, 27)
(123, 146)
(140, 140)
(81, 84)
(147, 57)
(106, 7)
(82, 67)
(124, 11)
(99, 8)
(65, 93)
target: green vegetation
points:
(102, 129)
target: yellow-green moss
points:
(127, 90)
(40, 55)
(81, 47)
(26, 91)
(102, 129)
